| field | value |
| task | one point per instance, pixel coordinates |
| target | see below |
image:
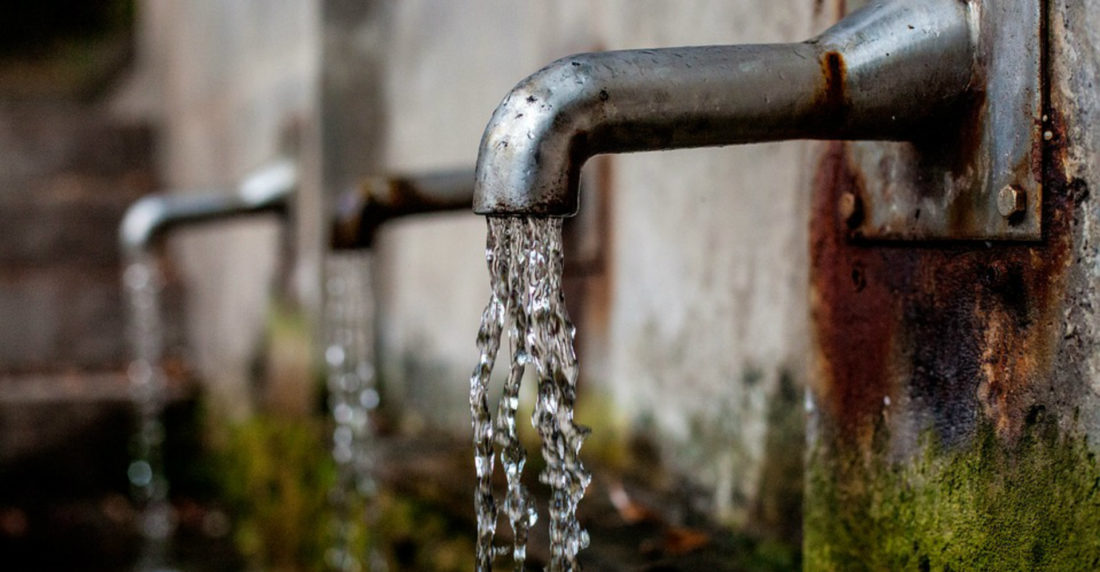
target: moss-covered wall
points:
(1034, 504)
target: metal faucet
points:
(376, 200)
(885, 72)
(268, 189)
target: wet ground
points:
(634, 523)
(426, 522)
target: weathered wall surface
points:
(68, 171)
(69, 168)
(449, 65)
(954, 387)
(708, 296)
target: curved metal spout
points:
(267, 189)
(361, 211)
(882, 73)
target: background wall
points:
(692, 311)
(694, 314)
(227, 84)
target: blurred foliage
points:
(419, 535)
(275, 475)
(765, 555)
(64, 49)
(35, 27)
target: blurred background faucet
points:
(268, 189)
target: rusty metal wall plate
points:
(977, 176)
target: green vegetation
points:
(420, 535)
(275, 475)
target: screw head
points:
(849, 209)
(1011, 200)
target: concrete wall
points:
(693, 321)
(449, 66)
(709, 256)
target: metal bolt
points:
(1011, 201)
(849, 209)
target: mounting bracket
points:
(978, 176)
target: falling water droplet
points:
(140, 473)
(352, 394)
(334, 355)
(143, 284)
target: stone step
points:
(41, 139)
(80, 233)
(76, 403)
(65, 317)
(68, 172)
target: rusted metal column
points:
(954, 412)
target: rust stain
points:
(599, 307)
(963, 329)
(851, 306)
(405, 197)
(833, 97)
(587, 275)
(960, 154)
(834, 71)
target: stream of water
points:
(353, 395)
(143, 283)
(525, 267)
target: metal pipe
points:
(883, 73)
(377, 200)
(266, 190)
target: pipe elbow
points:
(269, 187)
(144, 221)
(537, 140)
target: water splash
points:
(143, 282)
(525, 264)
(353, 395)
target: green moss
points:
(990, 505)
(765, 555)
